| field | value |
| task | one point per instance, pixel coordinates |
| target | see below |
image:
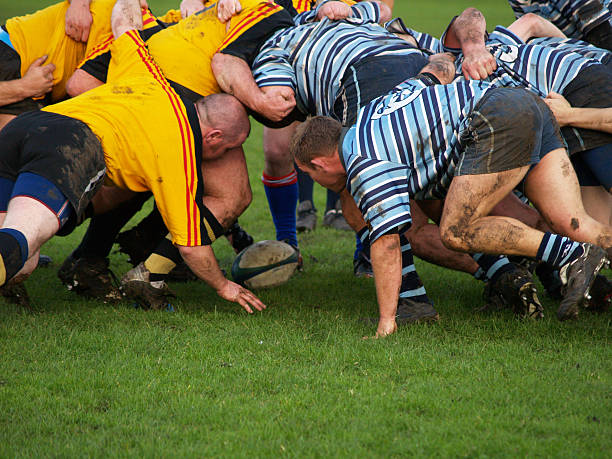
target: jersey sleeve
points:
(425, 42)
(251, 28)
(273, 68)
(380, 190)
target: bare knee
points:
(455, 236)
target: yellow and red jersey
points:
(184, 51)
(151, 139)
(43, 33)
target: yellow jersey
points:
(151, 139)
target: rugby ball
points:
(265, 264)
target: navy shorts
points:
(594, 167)
(508, 128)
(370, 78)
(39, 188)
(61, 149)
(592, 88)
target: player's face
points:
(325, 176)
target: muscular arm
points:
(234, 77)
(202, 261)
(468, 33)
(531, 25)
(598, 119)
(386, 259)
(126, 16)
(37, 81)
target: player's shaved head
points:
(225, 113)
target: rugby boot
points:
(601, 295)
(410, 311)
(514, 290)
(44, 261)
(148, 295)
(238, 237)
(306, 217)
(362, 266)
(578, 277)
(334, 218)
(16, 293)
(300, 266)
(90, 277)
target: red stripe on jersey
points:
(188, 151)
(265, 10)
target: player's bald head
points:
(225, 113)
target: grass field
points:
(82, 378)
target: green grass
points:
(82, 378)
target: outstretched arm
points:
(598, 119)
(468, 33)
(531, 25)
(78, 20)
(234, 77)
(386, 256)
(126, 16)
(202, 261)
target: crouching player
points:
(135, 134)
(427, 140)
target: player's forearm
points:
(386, 259)
(126, 16)
(12, 91)
(531, 25)
(202, 261)
(597, 119)
(234, 77)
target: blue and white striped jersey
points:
(576, 46)
(312, 58)
(406, 145)
(565, 14)
(427, 43)
(540, 69)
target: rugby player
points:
(135, 134)
(62, 35)
(407, 144)
(587, 20)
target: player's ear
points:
(214, 136)
(319, 162)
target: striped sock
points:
(164, 259)
(558, 250)
(13, 253)
(491, 266)
(282, 194)
(412, 288)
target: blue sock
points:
(282, 194)
(362, 242)
(412, 288)
(305, 186)
(332, 200)
(13, 253)
(491, 266)
(558, 250)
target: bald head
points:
(226, 114)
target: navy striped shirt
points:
(406, 145)
(574, 45)
(565, 14)
(312, 58)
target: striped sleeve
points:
(380, 190)
(272, 67)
